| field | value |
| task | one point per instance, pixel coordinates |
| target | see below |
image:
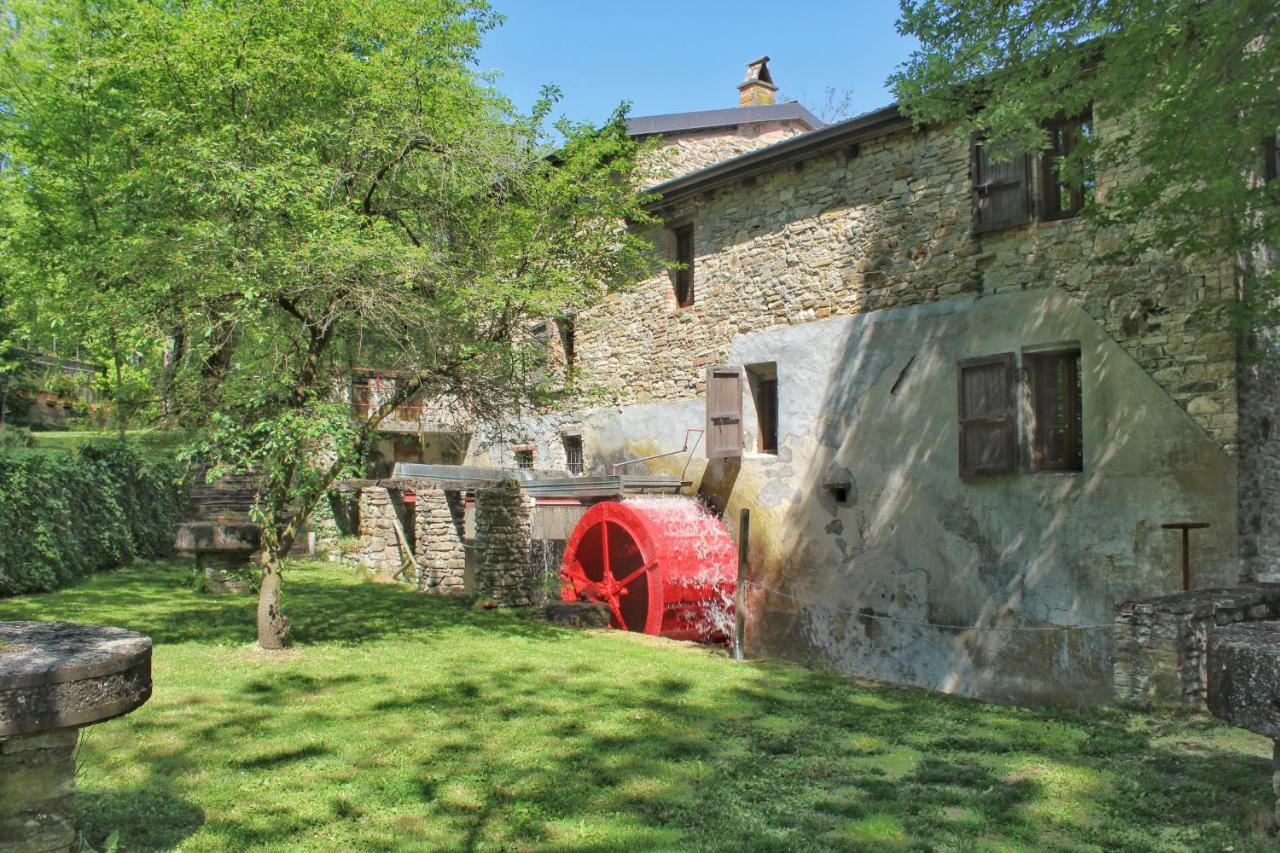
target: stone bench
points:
(56, 677)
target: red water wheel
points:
(663, 565)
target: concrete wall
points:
(871, 401)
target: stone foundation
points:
(439, 533)
(1161, 643)
(504, 572)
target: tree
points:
(284, 190)
(1197, 86)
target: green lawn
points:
(167, 441)
(403, 721)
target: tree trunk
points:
(273, 627)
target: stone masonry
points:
(439, 532)
(379, 548)
(1161, 643)
(504, 572)
(886, 224)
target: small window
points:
(573, 454)
(1001, 189)
(1271, 157)
(524, 457)
(1056, 403)
(763, 379)
(1060, 199)
(568, 327)
(684, 257)
(986, 415)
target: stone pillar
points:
(37, 794)
(439, 546)
(503, 518)
(379, 549)
(54, 678)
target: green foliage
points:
(67, 515)
(1192, 88)
(421, 723)
(282, 191)
(11, 437)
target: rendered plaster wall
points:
(876, 585)
(890, 225)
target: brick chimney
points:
(757, 89)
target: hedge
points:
(64, 515)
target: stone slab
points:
(1244, 676)
(57, 675)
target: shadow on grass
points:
(156, 599)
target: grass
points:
(167, 441)
(401, 721)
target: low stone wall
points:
(1161, 643)
(439, 536)
(504, 572)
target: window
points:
(684, 257)
(1001, 190)
(524, 457)
(573, 454)
(1056, 397)
(1060, 199)
(1271, 157)
(724, 412)
(568, 327)
(764, 392)
(986, 415)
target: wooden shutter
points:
(724, 412)
(988, 442)
(1001, 191)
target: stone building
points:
(958, 415)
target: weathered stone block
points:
(1244, 676)
(578, 614)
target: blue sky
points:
(668, 57)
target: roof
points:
(803, 146)
(706, 119)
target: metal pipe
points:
(740, 591)
(683, 449)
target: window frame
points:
(762, 381)
(521, 452)
(1035, 360)
(569, 442)
(1051, 187)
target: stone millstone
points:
(56, 675)
(54, 678)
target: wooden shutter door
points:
(1001, 191)
(724, 412)
(988, 441)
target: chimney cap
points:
(758, 74)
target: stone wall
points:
(888, 225)
(37, 803)
(379, 547)
(1260, 461)
(504, 572)
(1161, 643)
(439, 541)
(688, 151)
